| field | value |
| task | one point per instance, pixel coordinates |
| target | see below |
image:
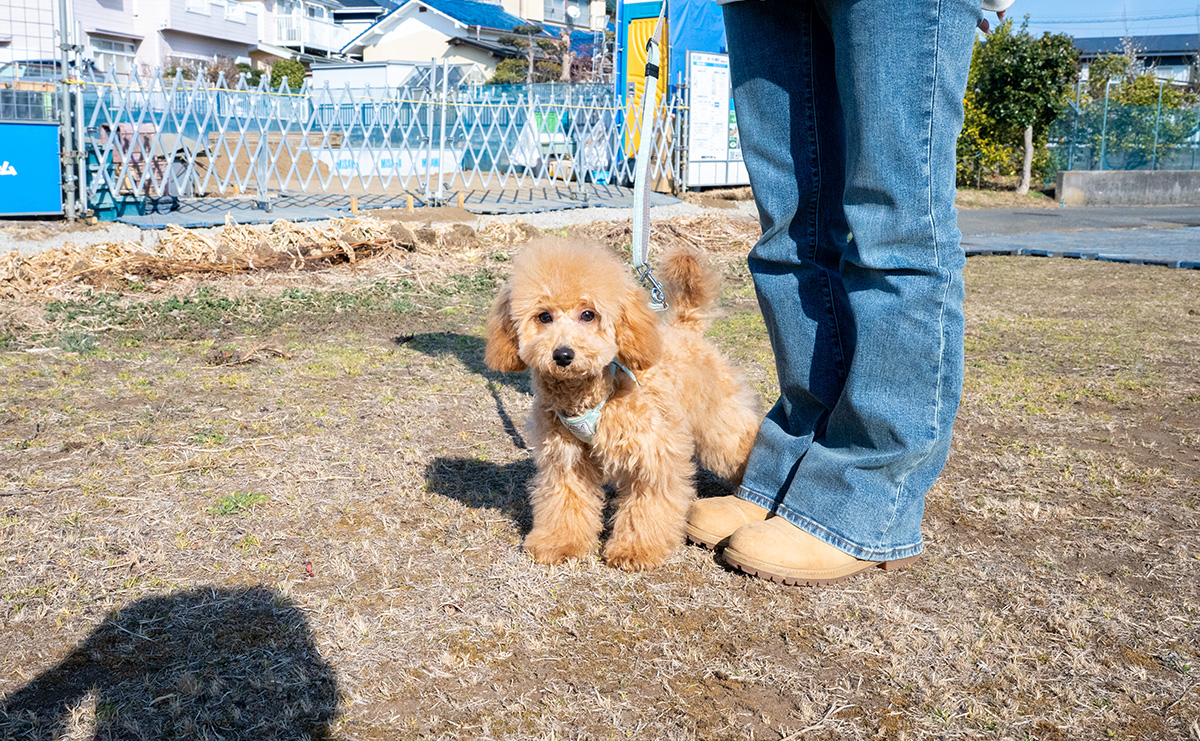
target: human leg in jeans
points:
(849, 111)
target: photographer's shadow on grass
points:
(198, 664)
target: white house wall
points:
(166, 28)
(421, 39)
(531, 10)
(111, 16)
(213, 23)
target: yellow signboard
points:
(639, 33)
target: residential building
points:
(581, 14)
(1172, 57)
(464, 32)
(124, 36)
(299, 29)
(460, 31)
(357, 16)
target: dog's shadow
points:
(505, 487)
(483, 484)
(469, 351)
(200, 663)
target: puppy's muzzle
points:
(563, 356)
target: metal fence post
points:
(1075, 128)
(1104, 124)
(677, 117)
(1157, 118)
(429, 127)
(441, 194)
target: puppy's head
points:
(568, 311)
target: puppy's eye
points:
(587, 316)
(545, 317)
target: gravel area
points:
(31, 237)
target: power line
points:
(1140, 19)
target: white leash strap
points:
(641, 194)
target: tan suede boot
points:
(713, 520)
(778, 550)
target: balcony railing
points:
(307, 33)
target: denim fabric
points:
(849, 111)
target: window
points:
(197, 6)
(235, 11)
(556, 11)
(113, 56)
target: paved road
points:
(1168, 235)
(984, 222)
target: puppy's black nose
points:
(563, 356)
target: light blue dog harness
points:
(584, 426)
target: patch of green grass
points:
(78, 342)
(482, 283)
(180, 316)
(237, 503)
(207, 437)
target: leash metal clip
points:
(658, 297)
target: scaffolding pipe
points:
(66, 138)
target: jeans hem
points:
(820, 533)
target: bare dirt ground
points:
(282, 505)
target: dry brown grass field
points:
(290, 505)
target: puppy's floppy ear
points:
(639, 344)
(501, 351)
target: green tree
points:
(977, 151)
(531, 60)
(1020, 84)
(291, 70)
(253, 76)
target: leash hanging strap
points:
(641, 194)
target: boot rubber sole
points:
(705, 539)
(806, 577)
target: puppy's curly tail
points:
(691, 285)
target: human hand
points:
(985, 26)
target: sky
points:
(1090, 18)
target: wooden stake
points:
(461, 198)
(354, 205)
(409, 203)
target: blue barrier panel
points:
(30, 171)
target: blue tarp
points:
(696, 25)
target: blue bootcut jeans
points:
(848, 112)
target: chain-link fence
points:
(167, 137)
(30, 61)
(1106, 135)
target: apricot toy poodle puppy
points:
(620, 397)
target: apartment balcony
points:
(307, 34)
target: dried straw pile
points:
(240, 249)
(288, 246)
(713, 233)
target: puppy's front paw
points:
(552, 548)
(635, 556)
